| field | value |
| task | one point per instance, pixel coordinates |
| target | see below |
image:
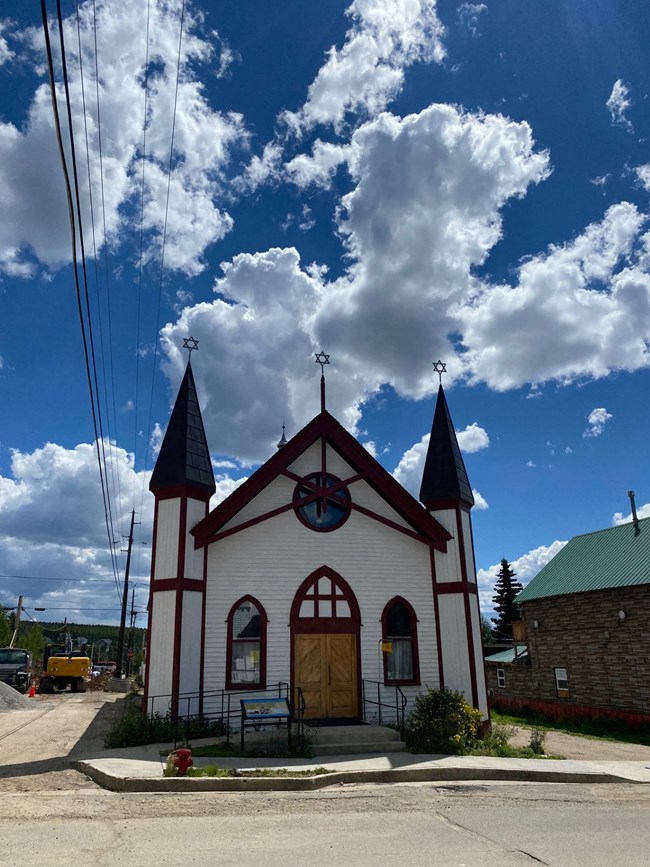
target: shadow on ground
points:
(89, 744)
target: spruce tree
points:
(5, 629)
(505, 591)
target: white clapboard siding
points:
(190, 662)
(469, 546)
(453, 632)
(161, 650)
(448, 565)
(167, 536)
(270, 560)
(193, 558)
(478, 654)
(280, 491)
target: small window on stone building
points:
(562, 682)
(501, 677)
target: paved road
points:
(51, 815)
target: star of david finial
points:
(190, 344)
(440, 367)
(322, 359)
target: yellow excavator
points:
(63, 668)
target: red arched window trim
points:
(230, 684)
(325, 624)
(415, 679)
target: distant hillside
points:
(104, 638)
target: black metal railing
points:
(196, 711)
(373, 695)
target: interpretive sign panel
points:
(265, 708)
(265, 711)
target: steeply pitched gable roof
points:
(616, 557)
(184, 458)
(325, 425)
(444, 477)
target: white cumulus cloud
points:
(618, 103)
(579, 311)
(368, 71)
(597, 419)
(473, 438)
(33, 210)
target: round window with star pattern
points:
(322, 506)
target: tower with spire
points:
(182, 483)
(446, 494)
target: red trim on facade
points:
(176, 661)
(468, 611)
(204, 554)
(432, 543)
(187, 490)
(325, 426)
(436, 612)
(324, 625)
(194, 584)
(150, 609)
(450, 503)
(443, 587)
(178, 614)
(263, 621)
(415, 680)
(204, 541)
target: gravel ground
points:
(589, 749)
(11, 699)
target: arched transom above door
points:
(325, 601)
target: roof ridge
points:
(608, 529)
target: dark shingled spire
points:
(184, 458)
(445, 476)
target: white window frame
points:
(501, 678)
(561, 681)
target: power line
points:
(118, 498)
(164, 234)
(95, 397)
(46, 578)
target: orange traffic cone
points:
(32, 690)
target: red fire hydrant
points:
(182, 759)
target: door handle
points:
(329, 674)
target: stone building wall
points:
(607, 659)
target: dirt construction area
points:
(38, 744)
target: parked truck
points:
(15, 668)
(64, 668)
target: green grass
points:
(591, 728)
(214, 771)
(231, 751)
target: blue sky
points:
(392, 182)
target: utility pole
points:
(129, 653)
(125, 598)
(19, 608)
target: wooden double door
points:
(326, 671)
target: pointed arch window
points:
(246, 654)
(399, 631)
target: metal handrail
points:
(229, 714)
(399, 705)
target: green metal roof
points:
(616, 557)
(509, 655)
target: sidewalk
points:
(140, 769)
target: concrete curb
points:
(307, 784)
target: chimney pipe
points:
(635, 519)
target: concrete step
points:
(380, 748)
(344, 740)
